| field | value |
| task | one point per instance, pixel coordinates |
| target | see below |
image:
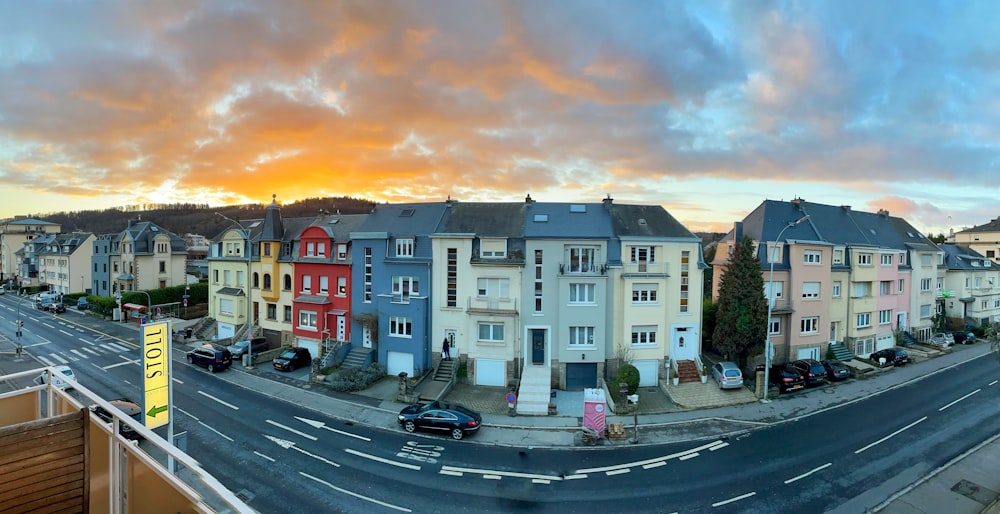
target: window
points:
(838, 257)
(925, 284)
(812, 257)
(538, 281)
(582, 293)
(810, 325)
(452, 286)
(836, 289)
(307, 320)
(226, 307)
(979, 282)
(773, 252)
(404, 248)
(400, 327)
(774, 326)
(581, 336)
(643, 335)
(810, 290)
(864, 346)
(341, 251)
(491, 332)
(272, 311)
(685, 258)
(310, 249)
(493, 287)
(307, 284)
(861, 289)
(777, 287)
(884, 287)
(324, 284)
(404, 287)
(581, 259)
(990, 254)
(368, 275)
(865, 259)
(286, 282)
(885, 317)
(321, 249)
(644, 293)
(864, 320)
(900, 284)
(341, 286)
(215, 274)
(267, 281)
(925, 260)
(288, 314)
(163, 266)
(493, 248)
(925, 311)
(226, 275)
(886, 259)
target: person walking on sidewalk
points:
(446, 350)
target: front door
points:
(366, 337)
(537, 346)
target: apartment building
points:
(970, 287)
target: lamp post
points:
(149, 305)
(246, 237)
(768, 347)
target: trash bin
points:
(187, 333)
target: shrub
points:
(356, 379)
(630, 375)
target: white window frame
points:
(864, 259)
(884, 287)
(582, 259)
(307, 284)
(310, 249)
(836, 289)
(582, 293)
(581, 337)
(810, 290)
(341, 251)
(308, 320)
(400, 326)
(644, 294)
(643, 336)
(774, 326)
(812, 257)
(492, 287)
(885, 317)
(809, 325)
(925, 284)
(341, 286)
(863, 320)
(926, 311)
(886, 259)
(494, 332)
(324, 284)
(405, 286)
(404, 247)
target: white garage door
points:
(491, 372)
(647, 372)
(225, 330)
(885, 341)
(808, 353)
(309, 344)
(399, 362)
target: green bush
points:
(356, 379)
(630, 375)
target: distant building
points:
(16, 265)
(140, 258)
(64, 261)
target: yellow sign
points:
(155, 374)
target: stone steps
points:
(535, 391)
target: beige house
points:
(64, 263)
(983, 239)
(146, 257)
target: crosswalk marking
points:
(59, 358)
(117, 347)
(91, 351)
(80, 354)
(46, 361)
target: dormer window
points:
(404, 248)
(493, 248)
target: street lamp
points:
(768, 346)
(246, 237)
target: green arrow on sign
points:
(156, 410)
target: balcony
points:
(645, 269)
(584, 270)
(488, 305)
(781, 306)
(66, 459)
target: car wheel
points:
(291, 367)
(190, 360)
(409, 426)
(457, 433)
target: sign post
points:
(156, 374)
(511, 400)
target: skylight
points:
(406, 213)
(577, 207)
(541, 218)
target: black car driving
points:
(451, 418)
(292, 358)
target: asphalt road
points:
(286, 457)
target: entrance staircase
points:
(687, 371)
(356, 358)
(535, 391)
(841, 352)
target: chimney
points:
(527, 199)
(797, 201)
(845, 207)
(884, 213)
(607, 202)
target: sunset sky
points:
(705, 107)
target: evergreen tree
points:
(741, 312)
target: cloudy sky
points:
(705, 107)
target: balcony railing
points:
(651, 268)
(583, 269)
(487, 305)
(118, 475)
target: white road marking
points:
(261, 455)
(618, 471)
(320, 424)
(48, 325)
(85, 341)
(655, 465)
(46, 361)
(89, 350)
(574, 477)
(37, 344)
(67, 333)
(80, 354)
(994, 382)
(452, 473)
(540, 481)
(356, 495)
(227, 404)
(59, 358)
(719, 446)
(382, 460)
(117, 347)
(512, 474)
(824, 466)
(492, 477)
(688, 456)
(126, 361)
(649, 461)
(188, 413)
(734, 499)
(292, 430)
(216, 431)
(886, 438)
(175, 380)
(958, 400)
(290, 445)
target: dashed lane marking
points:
(512, 474)
(655, 465)
(824, 466)
(382, 460)
(227, 404)
(890, 436)
(618, 471)
(261, 455)
(958, 400)
(292, 430)
(653, 460)
(46, 361)
(731, 500)
(688, 456)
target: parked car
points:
(787, 378)
(963, 337)
(889, 357)
(63, 378)
(56, 307)
(82, 304)
(210, 356)
(811, 370)
(941, 339)
(835, 370)
(239, 348)
(727, 375)
(128, 408)
(455, 419)
(292, 358)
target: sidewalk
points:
(970, 484)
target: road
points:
(283, 456)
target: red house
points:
(322, 288)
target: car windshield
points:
(241, 344)
(288, 355)
(67, 372)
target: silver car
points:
(727, 375)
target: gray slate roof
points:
(959, 257)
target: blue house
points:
(391, 277)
